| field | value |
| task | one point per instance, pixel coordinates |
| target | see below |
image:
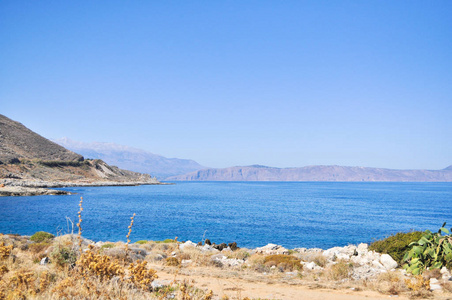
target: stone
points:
(362, 248)
(233, 246)
(271, 249)
(159, 257)
(376, 264)
(208, 248)
(434, 285)
(388, 262)
(157, 284)
(207, 242)
(187, 244)
(44, 261)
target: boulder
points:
(187, 244)
(233, 246)
(388, 262)
(271, 249)
(312, 266)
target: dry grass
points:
(283, 262)
(390, 283)
(339, 271)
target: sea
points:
(253, 214)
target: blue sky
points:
(279, 83)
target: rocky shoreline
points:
(18, 187)
(272, 268)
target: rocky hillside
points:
(132, 158)
(316, 173)
(18, 142)
(28, 159)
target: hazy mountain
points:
(315, 173)
(132, 158)
(27, 157)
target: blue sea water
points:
(292, 214)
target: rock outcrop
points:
(30, 161)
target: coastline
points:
(19, 187)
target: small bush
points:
(320, 260)
(107, 246)
(41, 236)
(396, 245)
(5, 251)
(167, 241)
(340, 270)
(284, 262)
(172, 261)
(63, 256)
(142, 242)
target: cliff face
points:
(316, 173)
(27, 158)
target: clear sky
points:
(278, 83)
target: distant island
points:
(30, 163)
(316, 173)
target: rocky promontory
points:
(30, 163)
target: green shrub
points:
(107, 246)
(142, 242)
(433, 250)
(396, 245)
(63, 256)
(41, 236)
(167, 241)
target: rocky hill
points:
(132, 158)
(30, 160)
(17, 142)
(316, 173)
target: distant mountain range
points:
(132, 158)
(315, 173)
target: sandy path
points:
(237, 288)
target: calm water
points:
(293, 214)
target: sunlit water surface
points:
(292, 214)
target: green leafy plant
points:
(433, 250)
(41, 236)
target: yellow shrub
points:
(5, 251)
(99, 265)
(140, 276)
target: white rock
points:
(362, 248)
(388, 262)
(187, 244)
(186, 261)
(378, 265)
(272, 249)
(312, 266)
(434, 285)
